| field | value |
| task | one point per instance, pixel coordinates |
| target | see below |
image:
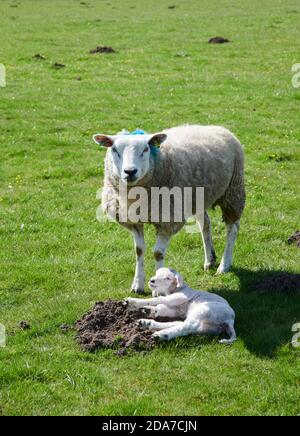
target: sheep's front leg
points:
(140, 248)
(162, 243)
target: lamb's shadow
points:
(264, 320)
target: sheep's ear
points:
(157, 139)
(103, 140)
(179, 280)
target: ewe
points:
(187, 156)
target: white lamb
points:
(201, 313)
(187, 156)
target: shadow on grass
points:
(264, 320)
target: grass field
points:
(56, 259)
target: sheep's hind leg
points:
(140, 248)
(232, 232)
(209, 251)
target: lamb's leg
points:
(150, 324)
(160, 311)
(140, 248)
(184, 328)
(232, 232)
(162, 243)
(209, 251)
(229, 329)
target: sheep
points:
(192, 312)
(186, 156)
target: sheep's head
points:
(165, 282)
(130, 154)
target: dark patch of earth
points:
(111, 324)
(58, 66)
(24, 325)
(218, 40)
(39, 57)
(102, 49)
(280, 282)
(295, 239)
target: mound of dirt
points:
(39, 57)
(112, 324)
(295, 239)
(103, 49)
(58, 66)
(281, 282)
(24, 325)
(218, 40)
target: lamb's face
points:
(165, 282)
(130, 154)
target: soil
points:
(295, 239)
(39, 57)
(24, 325)
(218, 40)
(102, 49)
(58, 65)
(112, 324)
(280, 282)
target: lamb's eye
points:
(146, 149)
(169, 278)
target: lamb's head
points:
(165, 282)
(130, 154)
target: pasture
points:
(56, 259)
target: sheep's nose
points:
(131, 172)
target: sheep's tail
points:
(233, 201)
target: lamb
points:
(186, 156)
(199, 312)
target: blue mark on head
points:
(154, 150)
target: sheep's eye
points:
(114, 150)
(169, 278)
(145, 150)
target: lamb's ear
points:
(179, 280)
(103, 140)
(157, 139)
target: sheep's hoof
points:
(137, 290)
(146, 310)
(144, 324)
(222, 270)
(160, 336)
(209, 265)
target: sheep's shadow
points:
(264, 320)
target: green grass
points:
(56, 259)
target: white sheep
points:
(192, 312)
(186, 156)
